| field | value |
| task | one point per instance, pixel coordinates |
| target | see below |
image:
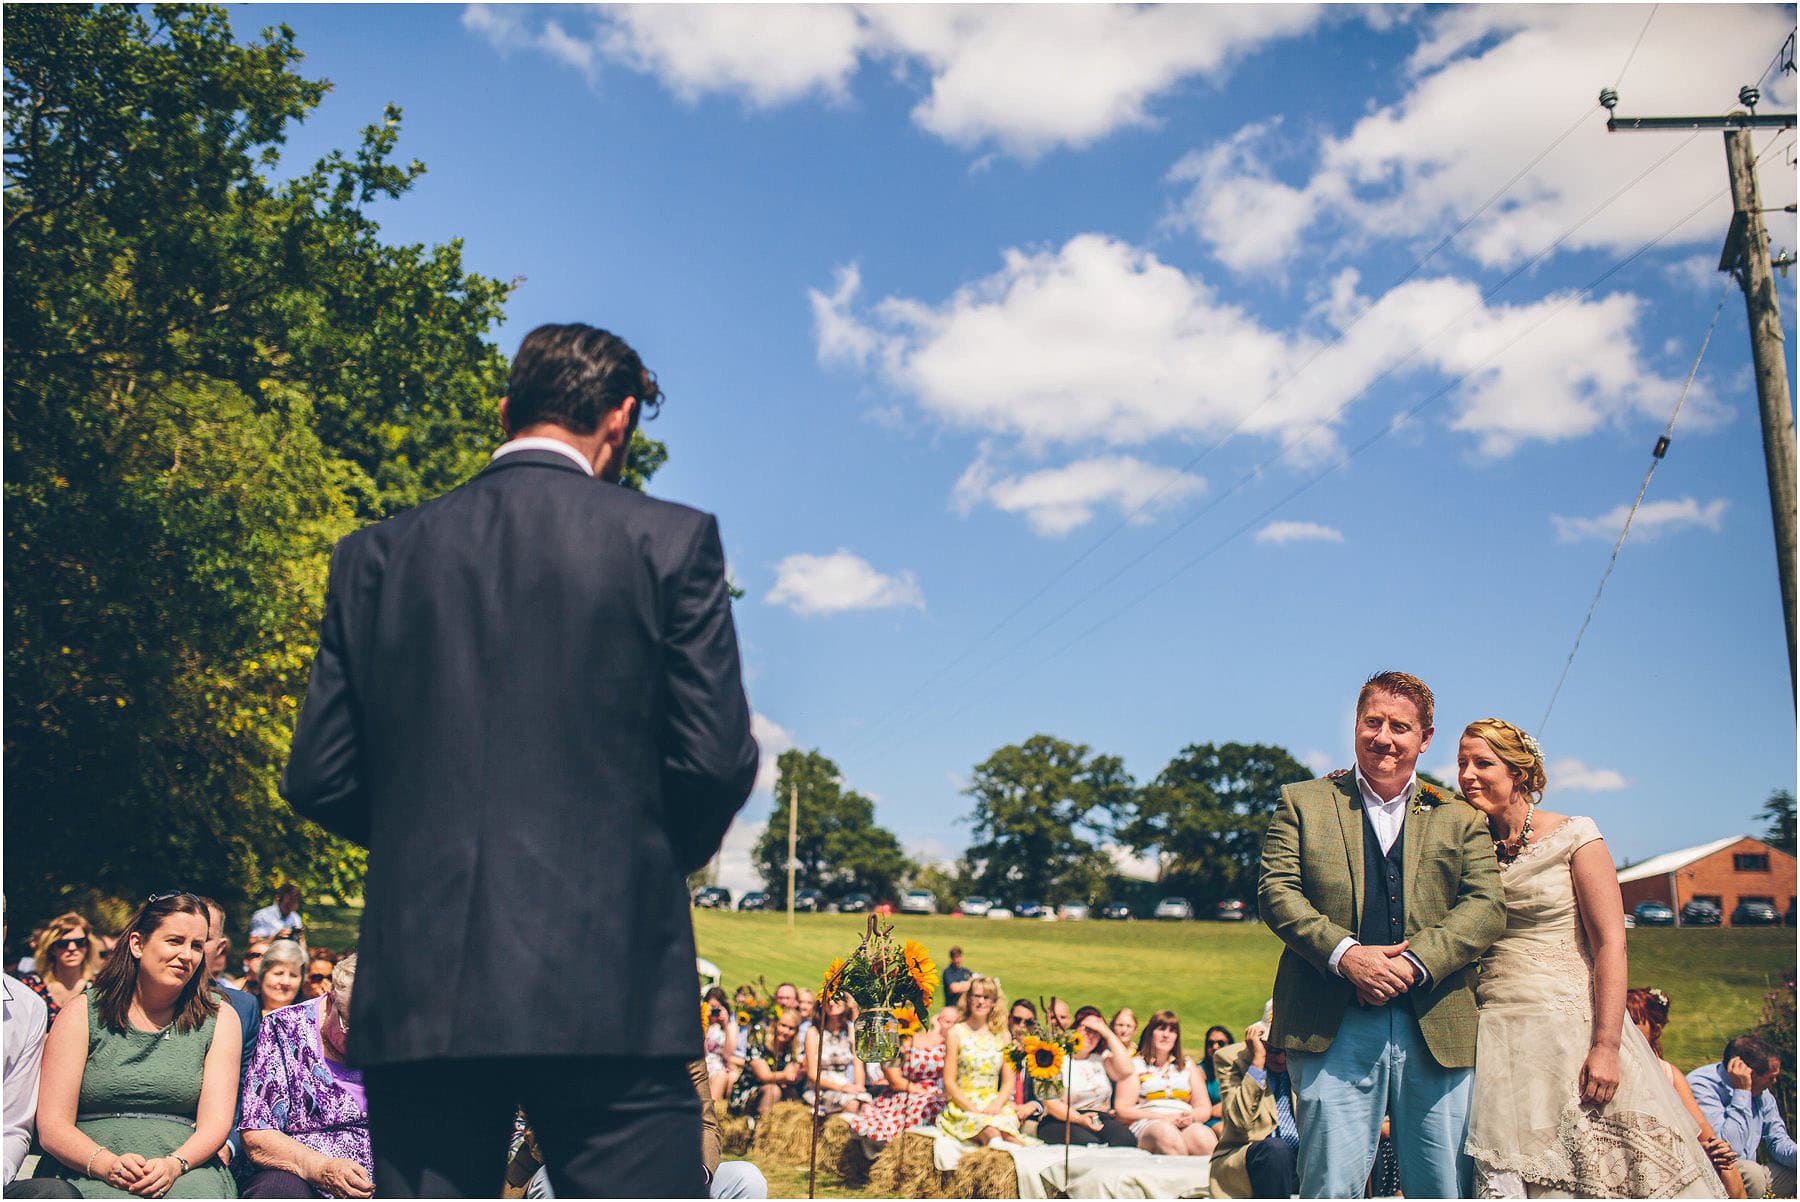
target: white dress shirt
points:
(1386, 815)
(545, 444)
(22, 1015)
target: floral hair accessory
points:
(1661, 998)
(1531, 745)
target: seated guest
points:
(831, 1064)
(249, 1013)
(1216, 1038)
(22, 1031)
(318, 973)
(1258, 1154)
(1159, 1099)
(253, 954)
(281, 920)
(773, 1072)
(139, 1072)
(66, 957)
(306, 1120)
(1124, 1024)
(1733, 1094)
(915, 1095)
(978, 1078)
(1100, 1062)
(1648, 1010)
(809, 1010)
(283, 968)
(1021, 1017)
(720, 1042)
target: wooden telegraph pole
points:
(793, 832)
(1746, 257)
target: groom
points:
(1385, 891)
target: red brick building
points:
(1724, 872)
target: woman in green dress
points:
(140, 1073)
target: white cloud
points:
(735, 864)
(1294, 532)
(1489, 87)
(1320, 762)
(1138, 868)
(1024, 79)
(772, 739)
(838, 583)
(1573, 776)
(1653, 518)
(1057, 500)
(1103, 339)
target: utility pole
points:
(793, 833)
(1746, 257)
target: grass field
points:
(1210, 972)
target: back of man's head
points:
(1756, 1052)
(572, 376)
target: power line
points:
(1656, 457)
(1322, 424)
(1634, 47)
(1380, 434)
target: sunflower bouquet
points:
(1043, 1056)
(887, 978)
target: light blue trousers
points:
(1378, 1065)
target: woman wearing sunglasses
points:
(140, 1073)
(318, 974)
(65, 959)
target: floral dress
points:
(744, 1089)
(292, 1088)
(837, 1058)
(890, 1114)
(978, 1064)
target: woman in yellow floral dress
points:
(980, 1090)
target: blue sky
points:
(1073, 369)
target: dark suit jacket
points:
(249, 1012)
(527, 705)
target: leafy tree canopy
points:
(839, 847)
(1042, 811)
(1778, 812)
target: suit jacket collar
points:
(550, 459)
(1350, 820)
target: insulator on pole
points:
(1662, 447)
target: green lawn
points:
(1210, 972)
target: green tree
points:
(1206, 813)
(838, 846)
(1778, 812)
(209, 380)
(1042, 812)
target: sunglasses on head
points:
(162, 897)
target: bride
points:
(1569, 1099)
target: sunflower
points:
(833, 984)
(746, 1015)
(1043, 1059)
(919, 967)
(705, 1015)
(909, 1019)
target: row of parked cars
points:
(920, 901)
(1701, 913)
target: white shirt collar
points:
(1376, 799)
(546, 444)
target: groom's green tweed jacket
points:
(1311, 895)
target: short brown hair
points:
(1162, 1018)
(1400, 684)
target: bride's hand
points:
(1600, 1075)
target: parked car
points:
(1030, 909)
(854, 903)
(1231, 910)
(811, 901)
(1116, 911)
(999, 910)
(712, 897)
(974, 907)
(1700, 914)
(1072, 912)
(1653, 914)
(918, 901)
(756, 899)
(1755, 914)
(1174, 907)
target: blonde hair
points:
(60, 928)
(1516, 749)
(996, 1016)
(343, 975)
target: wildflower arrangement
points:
(1042, 1055)
(883, 973)
(909, 1020)
(1428, 797)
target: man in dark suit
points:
(249, 1013)
(527, 704)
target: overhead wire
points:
(1376, 437)
(1318, 426)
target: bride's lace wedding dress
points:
(1529, 1134)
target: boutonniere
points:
(1427, 798)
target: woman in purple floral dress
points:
(306, 1119)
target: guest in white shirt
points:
(281, 920)
(22, 1024)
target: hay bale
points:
(734, 1135)
(785, 1134)
(841, 1151)
(917, 1177)
(987, 1173)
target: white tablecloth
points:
(1093, 1172)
